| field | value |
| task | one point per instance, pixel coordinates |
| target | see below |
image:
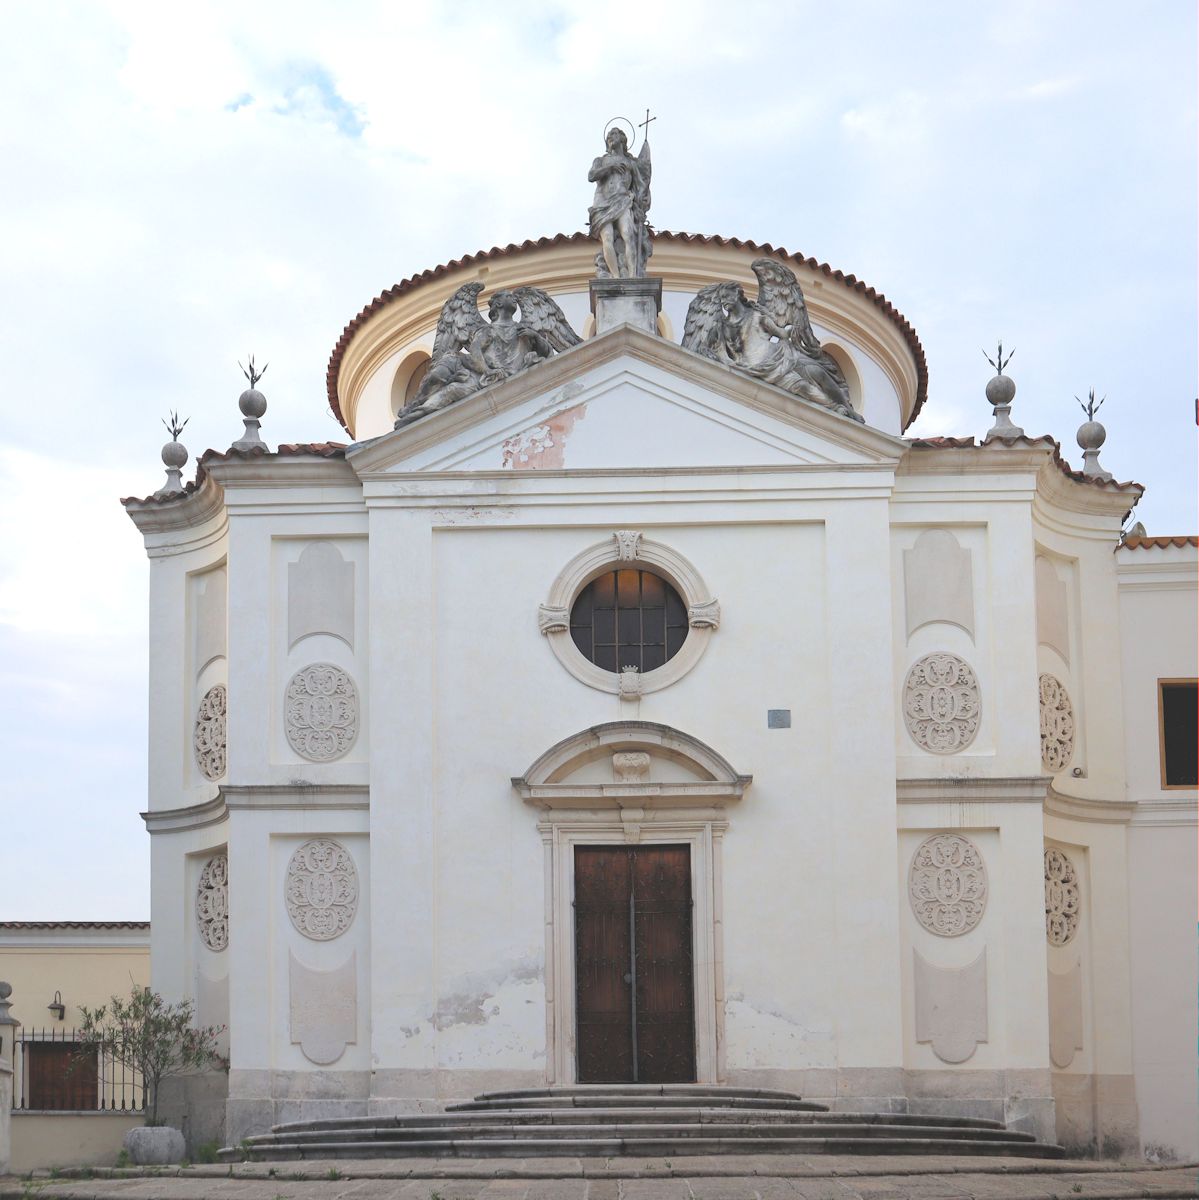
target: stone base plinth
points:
(634, 302)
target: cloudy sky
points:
(184, 183)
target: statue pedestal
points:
(626, 302)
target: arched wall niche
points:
(407, 379)
(842, 358)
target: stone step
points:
(628, 1116)
(720, 1090)
(841, 1129)
(649, 1147)
(619, 1119)
(630, 1099)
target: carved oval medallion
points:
(212, 903)
(1057, 724)
(321, 712)
(208, 738)
(321, 889)
(941, 703)
(1062, 901)
(947, 884)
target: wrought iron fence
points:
(52, 1072)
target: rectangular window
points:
(1178, 723)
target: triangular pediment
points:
(627, 401)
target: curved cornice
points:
(570, 274)
(546, 782)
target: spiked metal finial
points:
(999, 362)
(1000, 393)
(174, 455)
(1091, 436)
(252, 404)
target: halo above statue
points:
(631, 126)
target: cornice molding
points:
(1097, 812)
(199, 513)
(561, 372)
(193, 816)
(297, 796)
(1180, 813)
(1017, 789)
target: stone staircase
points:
(620, 1120)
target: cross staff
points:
(645, 125)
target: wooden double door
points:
(635, 1002)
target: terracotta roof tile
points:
(284, 450)
(4, 925)
(564, 239)
(958, 443)
(1161, 541)
(938, 443)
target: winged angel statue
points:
(770, 338)
(470, 353)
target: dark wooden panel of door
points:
(635, 1018)
(603, 1012)
(665, 991)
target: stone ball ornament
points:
(321, 890)
(212, 903)
(1091, 435)
(174, 455)
(1000, 390)
(1063, 901)
(941, 703)
(252, 403)
(209, 735)
(947, 884)
(321, 711)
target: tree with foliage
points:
(151, 1037)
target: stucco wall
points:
(1158, 641)
(68, 1139)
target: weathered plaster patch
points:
(761, 1034)
(544, 446)
(471, 1002)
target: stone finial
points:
(174, 455)
(1000, 392)
(1091, 435)
(6, 1017)
(252, 404)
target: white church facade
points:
(632, 718)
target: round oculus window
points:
(628, 618)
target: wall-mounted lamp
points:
(57, 1007)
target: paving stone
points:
(654, 1189)
(723, 1189)
(561, 1189)
(603, 1189)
